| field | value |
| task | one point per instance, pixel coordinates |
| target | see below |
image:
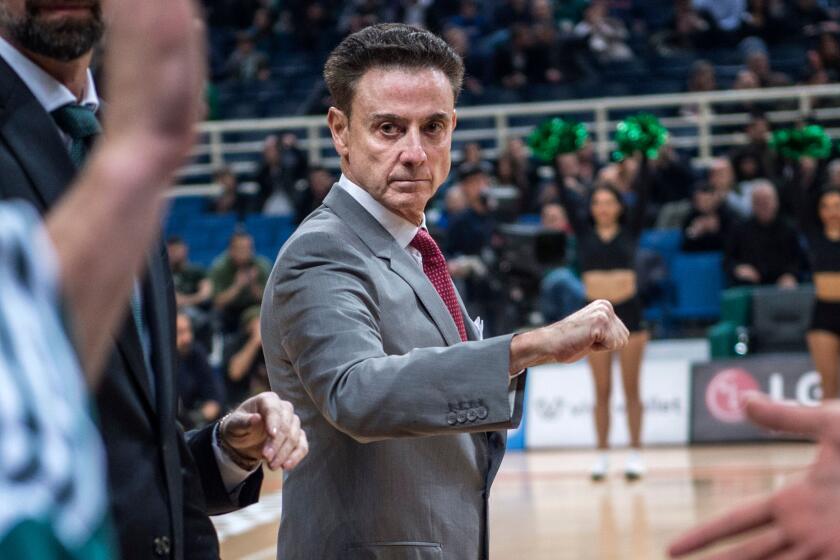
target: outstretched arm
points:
(102, 229)
(798, 521)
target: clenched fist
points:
(594, 328)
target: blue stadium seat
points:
(187, 206)
(698, 282)
(529, 219)
(666, 242)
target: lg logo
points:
(723, 395)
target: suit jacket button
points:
(162, 546)
(472, 415)
(462, 416)
(451, 419)
(482, 412)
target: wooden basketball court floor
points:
(543, 506)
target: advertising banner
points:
(561, 397)
(717, 386)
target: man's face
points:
(397, 142)
(177, 254)
(59, 29)
(765, 204)
(241, 251)
(758, 131)
(183, 334)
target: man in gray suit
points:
(364, 333)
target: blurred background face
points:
(765, 204)
(758, 130)
(473, 187)
(830, 210)
(722, 176)
(177, 253)
(706, 201)
(183, 333)
(605, 208)
(398, 139)
(553, 218)
(241, 250)
(59, 29)
(569, 165)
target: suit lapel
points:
(129, 346)
(24, 123)
(383, 245)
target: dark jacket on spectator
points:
(773, 250)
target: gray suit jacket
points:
(403, 418)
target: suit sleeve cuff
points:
(233, 476)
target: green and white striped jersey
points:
(52, 464)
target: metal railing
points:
(701, 124)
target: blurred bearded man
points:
(162, 484)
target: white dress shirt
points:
(52, 94)
(400, 229)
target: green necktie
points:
(81, 125)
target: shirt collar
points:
(50, 93)
(400, 229)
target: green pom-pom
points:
(557, 136)
(639, 133)
(808, 141)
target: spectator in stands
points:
(737, 198)
(473, 158)
(229, 200)
(561, 291)
(709, 222)
(244, 360)
(454, 201)
(199, 390)
(245, 61)
(688, 30)
(806, 17)
(513, 168)
(474, 65)
(571, 175)
(262, 31)
(276, 181)
(606, 37)
(701, 78)
(826, 57)
(757, 61)
(238, 277)
(192, 287)
(670, 181)
(512, 12)
(588, 164)
(727, 16)
(764, 249)
(469, 19)
(313, 191)
(314, 28)
(470, 232)
(413, 12)
(765, 19)
(833, 174)
(514, 62)
(757, 131)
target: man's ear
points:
(339, 125)
(454, 119)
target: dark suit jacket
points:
(162, 484)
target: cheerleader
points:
(608, 236)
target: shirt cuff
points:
(233, 476)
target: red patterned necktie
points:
(434, 265)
